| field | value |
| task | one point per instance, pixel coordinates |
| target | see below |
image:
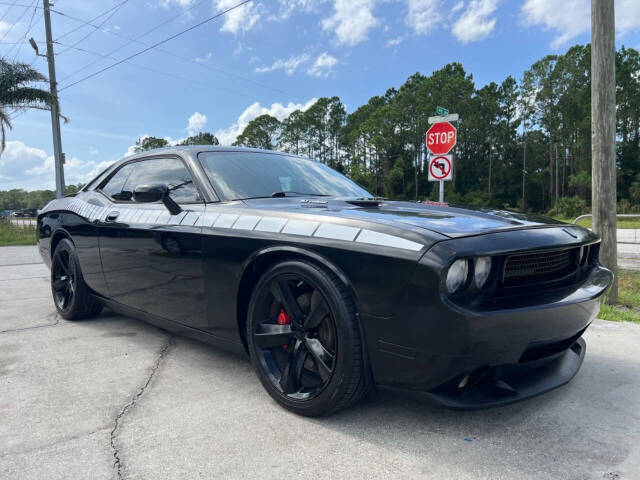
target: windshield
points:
(242, 175)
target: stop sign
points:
(441, 138)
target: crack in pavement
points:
(55, 316)
(117, 464)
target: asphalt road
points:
(115, 398)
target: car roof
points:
(195, 149)
(183, 150)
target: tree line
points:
(523, 143)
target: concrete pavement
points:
(115, 398)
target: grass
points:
(16, 235)
(628, 307)
(622, 222)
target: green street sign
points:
(442, 111)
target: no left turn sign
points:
(441, 168)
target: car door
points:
(152, 260)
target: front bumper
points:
(508, 352)
(513, 384)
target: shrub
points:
(571, 207)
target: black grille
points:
(532, 268)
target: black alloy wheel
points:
(71, 295)
(304, 340)
(63, 279)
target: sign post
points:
(440, 139)
(441, 170)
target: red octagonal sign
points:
(441, 138)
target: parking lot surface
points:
(115, 398)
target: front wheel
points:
(71, 295)
(304, 339)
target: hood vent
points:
(307, 203)
(366, 202)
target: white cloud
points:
(395, 41)
(228, 135)
(351, 21)
(627, 15)
(288, 7)
(12, 32)
(289, 66)
(424, 15)
(22, 166)
(475, 23)
(197, 121)
(241, 19)
(569, 18)
(323, 65)
(458, 6)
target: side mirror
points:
(154, 193)
(150, 193)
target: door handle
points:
(112, 216)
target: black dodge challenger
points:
(330, 290)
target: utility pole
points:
(524, 166)
(490, 165)
(603, 134)
(55, 114)
(556, 178)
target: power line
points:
(92, 20)
(29, 27)
(119, 6)
(11, 5)
(181, 57)
(100, 26)
(207, 20)
(16, 22)
(130, 40)
(154, 70)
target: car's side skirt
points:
(174, 327)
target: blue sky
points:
(269, 56)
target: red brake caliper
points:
(284, 319)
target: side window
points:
(113, 187)
(167, 171)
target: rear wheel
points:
(71, 295)
(304, 339)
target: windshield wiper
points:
(285, 194)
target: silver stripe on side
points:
(385, 240)
(270, 224)
(153, 219)
(148, 216)
(300, 227)
(190, 218)
(336, 232)
(225, 220)
(246, 222)
(163, 219)
(306, 228)
(176, 219)
(207, 219)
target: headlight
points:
(457, 275)
(482, 271)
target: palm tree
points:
(17, 94)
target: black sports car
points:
(330, 290)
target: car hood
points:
(452, 222)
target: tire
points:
(71, 295)
(306, 347)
